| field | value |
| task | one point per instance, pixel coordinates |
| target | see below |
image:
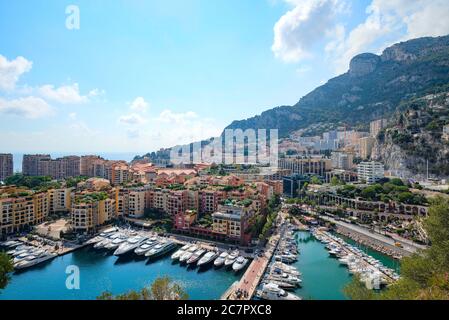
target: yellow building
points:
(21, 208)
(89, 211)
(60, 200)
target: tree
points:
(162, 289)
(424, 275)
(6, 267)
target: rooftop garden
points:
(92, 197)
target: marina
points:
(102, 271)
(294, 265)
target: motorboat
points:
(160, 249)
(239, 264)
(221, 259)
(207, 258)
(189, 252)
(196, 256)
(114, 244)
(229, 261)
(145, 247)
(180, 252)
(271, 291)
(130, 245)
(33, 260)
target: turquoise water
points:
(386, 260)
(101, 272)
(322, 276)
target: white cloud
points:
(139, 105)
(10, 71)
(301, 28)
(132, 119)
(69, 94)
(168, 116)
(29, 107)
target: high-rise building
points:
(87, 164)
(376, 126)
(370, 172)
(6, 166)
(366, 147)
(30, 163)
(342, 160)
(44, 165)
(304, 166)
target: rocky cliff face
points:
(363, 64)
(415, 140)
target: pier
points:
(246, 287)
(349, 251)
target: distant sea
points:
(127, 156)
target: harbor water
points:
(100, 271)
(323, 278)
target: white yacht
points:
(287, 278)
(180, 252)
(114, 244)
(231, 258)
(271, 291)
(196, 256)
(33, 260)
(145, 247)
(160, 249)
(239, 264)
(207, 258)
(128, 246)
(186, 256)
(221, 259)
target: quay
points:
(247, 286)
(349, 251)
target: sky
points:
(136, 76)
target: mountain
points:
(373, 87)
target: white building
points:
(370, 172)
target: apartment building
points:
(60, 200)
(377, 126)
(6, 166)
(370, 172)
(87, 164)
(232, 221)
(305, 166)
(185, 220)
(209, 200)
(30, 163)
(366, 147)
(21, 208)
(44, 165)
(88, 214)
(342, 160)
(172, 201)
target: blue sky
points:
(140, 75)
